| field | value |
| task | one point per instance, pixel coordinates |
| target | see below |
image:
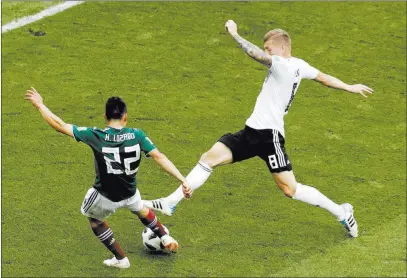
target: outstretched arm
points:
(53, 120)
(335, 83)
(162, 160)
(252, 50)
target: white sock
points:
(312, 196)
(195, 178)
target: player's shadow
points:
(157, 254)
(161, 255)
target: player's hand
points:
(360, 89)
(186, 189)
(231, 27)
(34, 97)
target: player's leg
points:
(344, 213)
(103, 232)
(230, 148)
(273, 153)
(150, 220)
(96, 207)
(291, 188)
(218, 155)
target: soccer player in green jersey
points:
(117, 152)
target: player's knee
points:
(143, 212)
(287, 190)
(94, 224)
(209, 159)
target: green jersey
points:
(117, 155)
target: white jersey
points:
(278, 91)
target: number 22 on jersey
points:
(127, 161)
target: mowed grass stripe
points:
(373, 255)
(186, 84)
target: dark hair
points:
(115, 108)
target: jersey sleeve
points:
(308, 71)
(83, 134)
(146, 144)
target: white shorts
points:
(97, 206)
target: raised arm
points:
(252, 50)
(162, 160)
(53, 120)
(335, 83)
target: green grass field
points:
(12, 10)
(187, 83)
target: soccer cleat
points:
(349, 222)
(113, 262)
(169, 243)
(162, 205)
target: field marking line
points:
(44, 13)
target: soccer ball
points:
(151, 241)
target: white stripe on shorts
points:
(91, 200)
(277, 146)
(86, 202)
(275, 139)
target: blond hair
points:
(279, 35)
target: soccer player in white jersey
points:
(263, 135)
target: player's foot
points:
(113, 262)
(162, 205)
(349, 222)
(169, 243)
